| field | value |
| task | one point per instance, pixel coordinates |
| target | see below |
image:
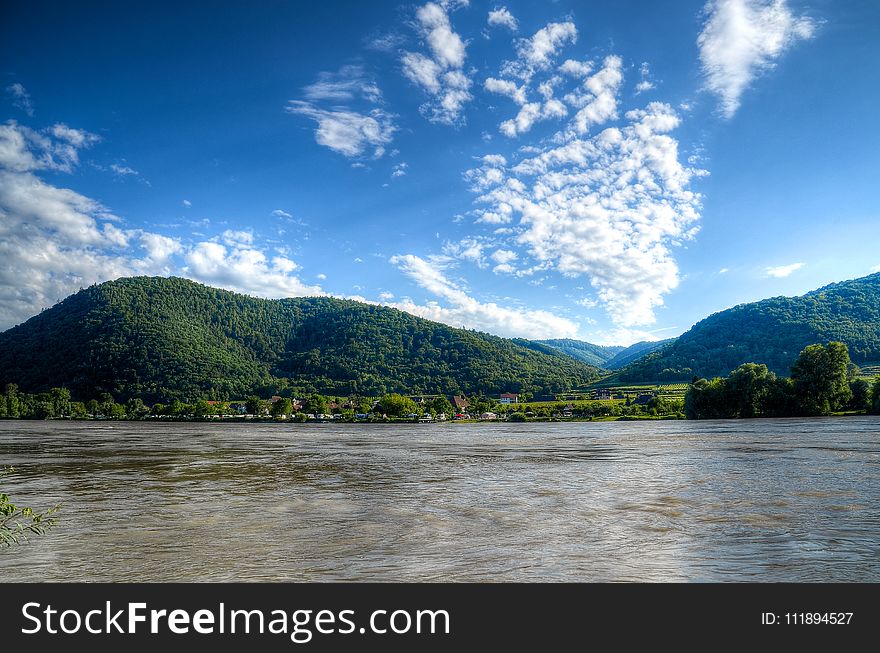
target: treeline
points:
(823, 381)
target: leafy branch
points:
(18, 523)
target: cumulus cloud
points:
(440, 73)
(54, 240)
(608, 207)
(501, 17)
(348, 132)
(462, 310)
(57, 148)
(782, 271)
(21, 99)
(240, 267)
(539, 51)
(741, 39)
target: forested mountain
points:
(773, 332)
(634, 352)
(165, 338)
(586, 352)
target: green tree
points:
(820, 377)
(60, 398)
(746, 389)
(201, 408)
(317, 405)
(861, 395)
(875, 396)
(12, 402)
(135, 408)
(442, 405)
(282, 407)
(396, 405)
(254, 405)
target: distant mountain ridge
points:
(772, 331)
(163, 338)
(585, 352)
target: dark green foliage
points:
(861, 395)
(585, 352)
(772, 331)
(818, 386)
(161, 339)
(875, 396)
(820, 377)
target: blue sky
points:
(606, 171)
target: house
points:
(509, 398)
(567, 411)
(643, 398)
(603, 394)
(460, 402)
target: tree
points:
(201, 408)
(875, 397)
(254, 405)
(282, 407)
(861, 395)
(134, 408)
(396, 405)
(747, 388)
(820, 377)
(16, 523)
(12, 403)
(317, 405)
(60, 398)
(442, 405)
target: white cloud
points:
(235, 238)
(441, 75)
(123, 171)
(620, 337)
(321, 277)
(506, 87)
(597, 97)
(245, 269)
(538, 52)
(399, 170)
(349, 83)
(462, 310)
(186, 203)
(723, 270)
(54, 241)
(57, 148)
(21, 99)
(346, 131)
(278, 213)
(782, 271)
(742, 39)
(876, 268)
(645, 84)
(609, 207)
(502, 17)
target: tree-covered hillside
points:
(634, 352)
(585, 352)
(773, 332)
(160, 339)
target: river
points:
(759, 500)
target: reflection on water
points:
(782, 500)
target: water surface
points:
(768, 500)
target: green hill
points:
(159, 338)
(635, 352)
(772, 331)
(585, 352)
